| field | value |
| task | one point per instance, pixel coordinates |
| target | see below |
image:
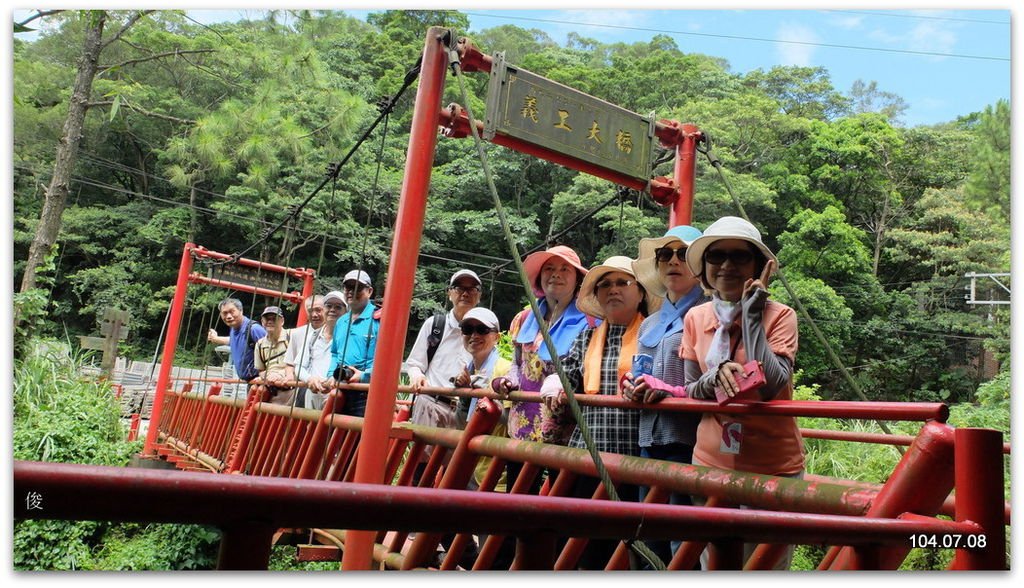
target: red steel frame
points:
(370, 507)
(186, 277)
(427, 117)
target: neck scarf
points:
(670, 318)
(563, 331)
(595, 354)
(726, 312)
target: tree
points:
(56, 195)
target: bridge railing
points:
(280, 441)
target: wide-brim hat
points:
(534, 262)
(587, 299)
(646, 266)
(727, 227)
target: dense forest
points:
(215, 133)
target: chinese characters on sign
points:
(534, 109)
(250, 276)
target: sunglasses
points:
(468, 330)
(617, 283)
(359, 287)
(736, 256)
(664, 254)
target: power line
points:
(100, 162)
(743, 38)
(922, 17)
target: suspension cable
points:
(636, 545)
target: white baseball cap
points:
(483, 315)
(336, 296)
(358, 276)
(464, 273)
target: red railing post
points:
(979, 498)
(380, 401)
(307, 291)
(919, 484)
(173, 326)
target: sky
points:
(943, 63)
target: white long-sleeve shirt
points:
(449, 360)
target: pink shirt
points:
(751, 443)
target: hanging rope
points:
(636, 545)
(704, 146)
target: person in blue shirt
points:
(242, 338)
(353, 344)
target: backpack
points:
(434, 338)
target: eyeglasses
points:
(479, 329)
(617, 283)
(736, 256)
(664, 254)
(465, 289)
(357, 287)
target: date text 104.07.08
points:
(948, 541)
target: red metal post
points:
(170, 343)
(681, 212)
(307, 291)
(979, 499)
(380, 403)
(919, 484)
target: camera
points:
(343, 373)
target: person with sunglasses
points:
(597, 361)
(738, 325)
(661, 268)
(439, 355)
(354, 343)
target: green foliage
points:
(282, 559)
(61, 417)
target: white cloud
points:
(846, 22)
(619, 18)
(792, 52)
(932, 36)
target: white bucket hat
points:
(587, 300)
(646, 266)
(727, 227)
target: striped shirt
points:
(614, 430)
(662, 427)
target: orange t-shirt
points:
(751, 443)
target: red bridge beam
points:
(80, 492)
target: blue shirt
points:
(355, 341)
(241, 351)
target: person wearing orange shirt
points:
(738, 325)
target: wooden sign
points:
(543, 112)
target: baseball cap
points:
(272, 310)
(483, 315)
(358, 276)
(335, 296)
(464, 273)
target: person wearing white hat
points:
(668, 436)
(438, 354)
(597, 362)
(353, 343)
(738, 325)
(309, 346)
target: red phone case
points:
(750, 381)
